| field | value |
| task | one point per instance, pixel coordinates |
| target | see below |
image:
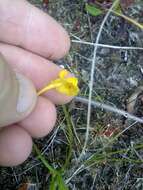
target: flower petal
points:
(72, 80)
(63, 73)
(68, 89)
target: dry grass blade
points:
(92, 76)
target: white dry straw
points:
(92, 77)
(107, 45)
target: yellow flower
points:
(63, 84)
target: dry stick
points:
(107, 46)
(109, 108)
(92, 77)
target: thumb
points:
(17, 95)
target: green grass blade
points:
(53, 184)
(57, 180)
(107, 156)
(44, 161)
(61, 183)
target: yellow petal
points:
(63, 73)
(72, 80)
(68, 89)
(63, 89)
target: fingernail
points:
(27, 95)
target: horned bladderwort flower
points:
(63, 84)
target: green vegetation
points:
(113, 156)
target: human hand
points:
(29, 40)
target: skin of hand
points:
(29, 41)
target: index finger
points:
(24, 25)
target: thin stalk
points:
(70, 137)
(128, 19)
(57, 181)
(44, 161)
